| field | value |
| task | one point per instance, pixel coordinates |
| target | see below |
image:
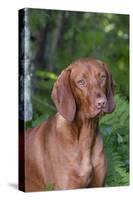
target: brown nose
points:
(101, 102)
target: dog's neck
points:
(81, 130)
(87, 129)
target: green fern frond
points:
(115, 129)
(116, 174)
(120, 116)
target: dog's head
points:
(85, 86)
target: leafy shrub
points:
(115, 129)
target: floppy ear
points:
(63, 97)
(110, 94)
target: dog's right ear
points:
(63, 97)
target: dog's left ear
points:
(63, 97)
(110, 94)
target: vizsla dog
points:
(66, 151)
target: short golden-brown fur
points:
(67, 151)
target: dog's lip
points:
(101, 111)
(97, 113)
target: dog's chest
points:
(80, 167)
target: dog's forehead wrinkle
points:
(78, 71)
(85, 73)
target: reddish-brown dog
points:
(67, 150)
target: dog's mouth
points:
(101, 112)
(97, 113)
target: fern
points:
(117, 174)
(121, 114)
(115, 129)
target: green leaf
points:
(120, 139)
(49, 187)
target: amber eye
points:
(81, 82)
(102, 77)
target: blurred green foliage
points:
(60, 37)
(115, 130)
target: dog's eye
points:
(81, 82)
(102, 77)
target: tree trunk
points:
(55, 40)
(25, 104)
